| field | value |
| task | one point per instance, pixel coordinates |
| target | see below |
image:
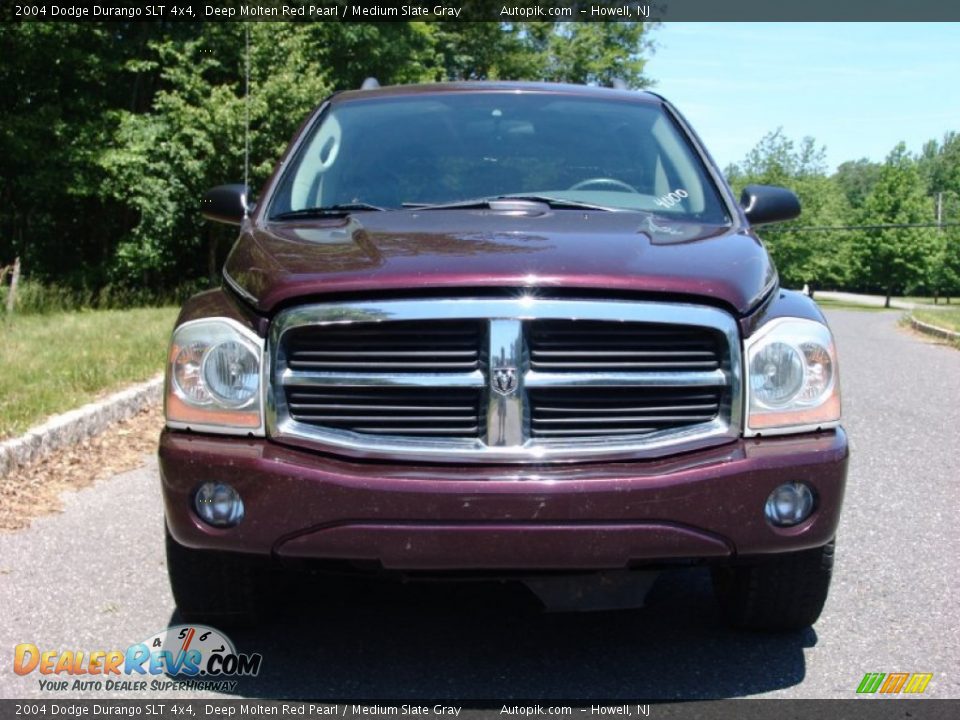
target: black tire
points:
(216, 588)
(781, 593)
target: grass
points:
(37, 298)
(949, 319)
(57, 362)
(941, 301)
(828, 304)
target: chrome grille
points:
(504, 380)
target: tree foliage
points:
(111, 132)
(802, 257)
(833, 243)
(895, 258)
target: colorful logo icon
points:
(894, 683)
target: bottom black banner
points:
(859, 709)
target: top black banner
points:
(484, 10)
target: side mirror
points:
(764, 204)
(226, 204)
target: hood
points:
(276, 262)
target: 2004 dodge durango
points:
(502, 329)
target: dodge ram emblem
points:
(504, 380)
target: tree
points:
(896, 258)
(103, 163)
(194, 138)
(51, 213)
(573, 52)
(939, 165)
(856, 179)
(598, 53)
(818, 259)
(944, 273)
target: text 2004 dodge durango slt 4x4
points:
(505, 329)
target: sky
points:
(857, 88)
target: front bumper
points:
(700, 505)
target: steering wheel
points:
(610, 183)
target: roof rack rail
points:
(370, 83)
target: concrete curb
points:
(933, 329)
(76, 425)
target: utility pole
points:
(940, 234)
(940, 211)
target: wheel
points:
(215, 588)
(610, 183)
(780, 593)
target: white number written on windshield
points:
(671, 198)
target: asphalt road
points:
(94, 578)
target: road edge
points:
(75, 425)
(934, 330)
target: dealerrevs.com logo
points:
(198, 656)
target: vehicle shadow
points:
(489, 641)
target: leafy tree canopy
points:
(111, 132)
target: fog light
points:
(218, 504)
(789, 504)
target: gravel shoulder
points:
(37, 489)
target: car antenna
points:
(619, 84)
(246, 125)
(370, 83)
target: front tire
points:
(215, 588)
(781, 593)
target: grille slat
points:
(600, 365)
(623, 419)
(627, 410)
(457, 432)
(543, 354)
(383, 366)
(577, 433)
(387, 419)
(306, 407)
(376, 354)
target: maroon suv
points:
(502, 329)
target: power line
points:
(832, 228)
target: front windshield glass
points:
(447, 148)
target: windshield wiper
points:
(553, 202)
(327, 211)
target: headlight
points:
(792, 382)
(214, 378)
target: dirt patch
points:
(35, 489)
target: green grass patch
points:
(828, 304)
(56, 362)
(941, 301)
(948, 319)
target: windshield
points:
(390, 153)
